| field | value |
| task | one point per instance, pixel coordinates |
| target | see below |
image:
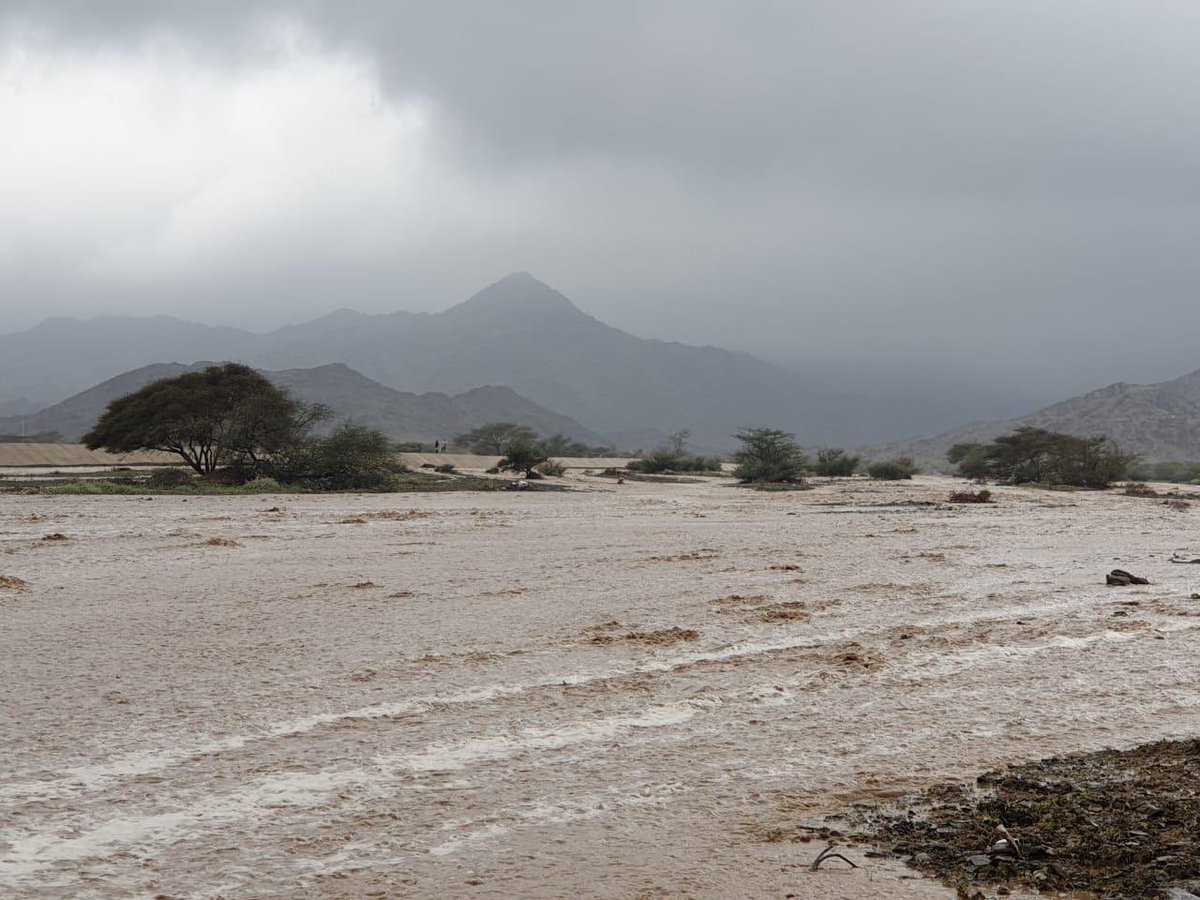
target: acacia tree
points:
(492, 437)
(768, 454)
(1036, 455)
(222, 415)
(677, 441)
(522, 456)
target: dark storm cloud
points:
(996, 190)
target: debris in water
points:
(828, 853)
(1121, 578)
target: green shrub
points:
(768, 455)
(522, 456)
(971, 459)
(901, 468)
(351, 458)
(1037, 456)
(833, 462)
(665, 460)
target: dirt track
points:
(500, 695)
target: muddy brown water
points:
(618, 692)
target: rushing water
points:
(615, 692)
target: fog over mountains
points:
(518, 333)
(520, 351)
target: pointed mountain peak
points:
(518, 293)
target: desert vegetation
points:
(834, 462)
(230, 424)
(522, 456)
(673, 456)
(769, 456)
(494, 439)
(899, 468)
(1037, 456)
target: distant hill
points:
(518, 333)
(351, 395)
(1159, 421)
(61, 357)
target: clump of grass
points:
(553, 468)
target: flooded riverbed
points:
(617, 692)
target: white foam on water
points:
(456, 756)
(31, 853)
(77, 780)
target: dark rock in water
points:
(1122, 578)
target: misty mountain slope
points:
(61, 357)
(349, 394)
(523, 334)
(1159, 421)
(424, 416)
(518, 333)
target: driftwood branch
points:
(828, 853)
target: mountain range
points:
(548, 364)
(518, 333)
(349, 394)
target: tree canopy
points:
(220, 416)
(1030, 454)
(491, 438)
(522, 456)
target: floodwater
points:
(617, 692)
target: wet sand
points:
(620, 692)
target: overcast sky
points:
(1001, 190)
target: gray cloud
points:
(970, 191)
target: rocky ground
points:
(630, 690)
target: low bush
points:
(833, 462)
(552, 468)
(170, 477)
(668, 461)
(260, 486)
(901, 468)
